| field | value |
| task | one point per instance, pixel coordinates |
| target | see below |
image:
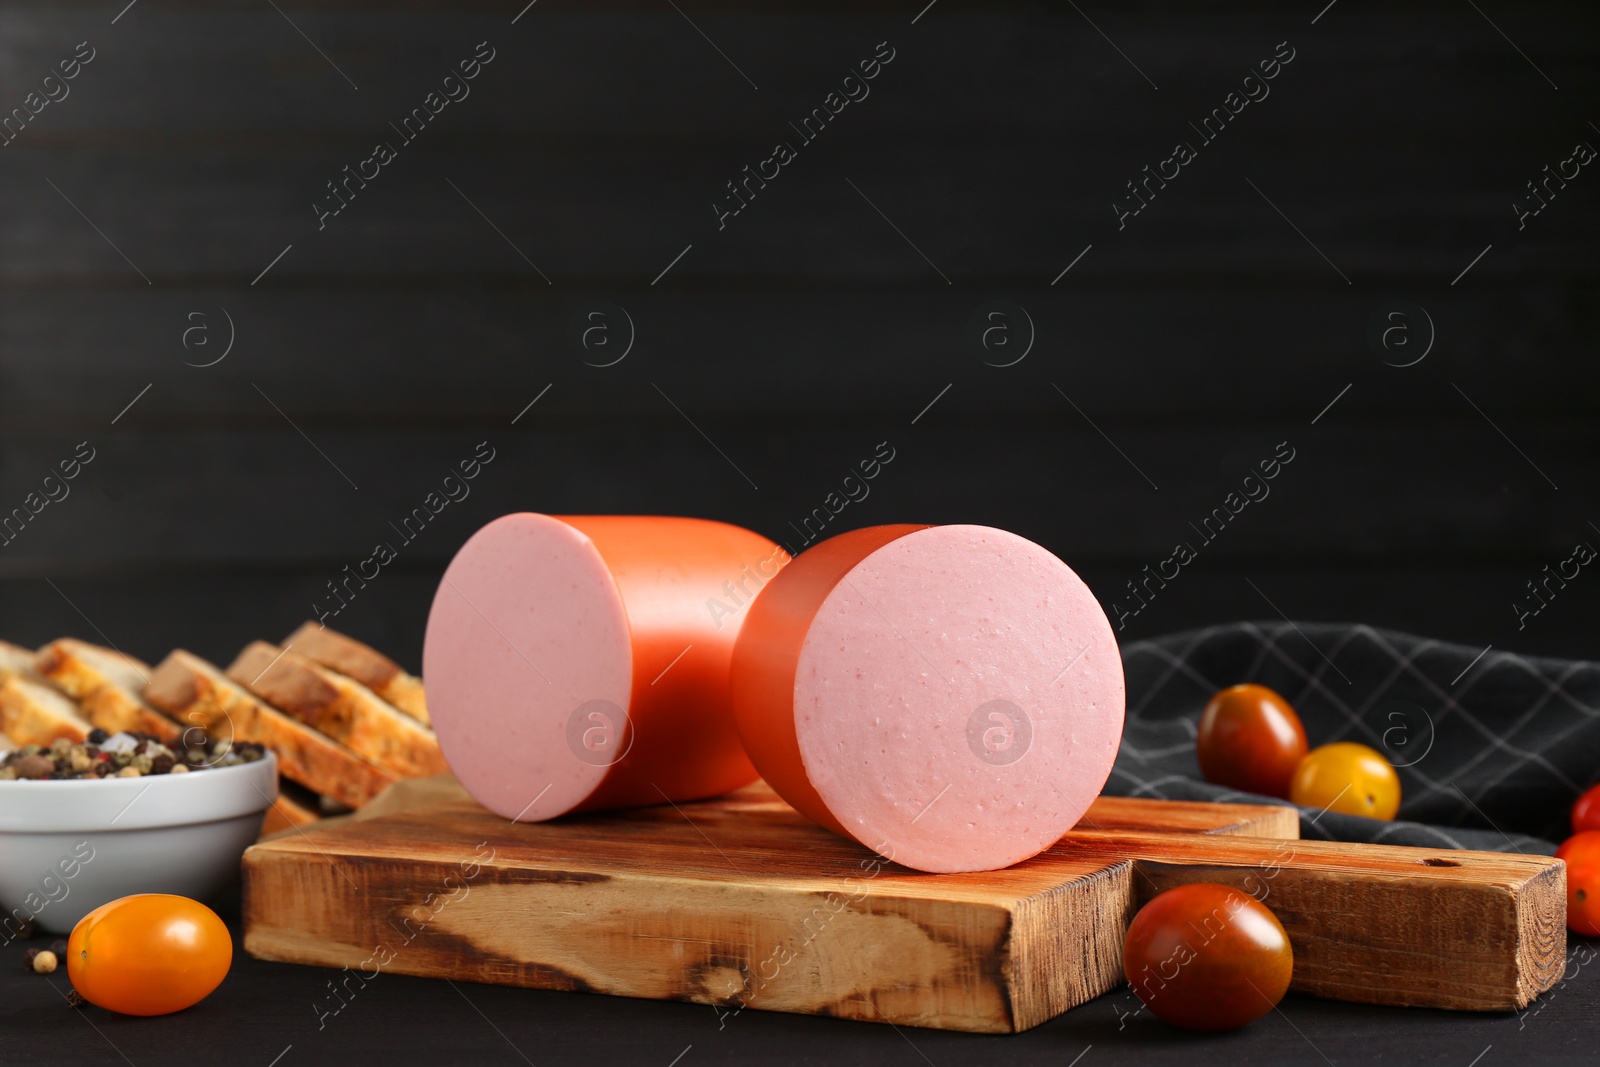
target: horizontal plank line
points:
(1531, 276)
(1513, 558)
(480, 135)
(1575, 420)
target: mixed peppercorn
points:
(124, 755)
(46, 960)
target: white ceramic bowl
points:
(67, 847)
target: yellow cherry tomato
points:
(149, 954)
(1348, 778)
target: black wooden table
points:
(267, 390)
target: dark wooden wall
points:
(378, 351)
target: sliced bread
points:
(107, 685)
(340, 707)
(194, 692)
(32, 711)
(371, 668)
(287, 812)
(15, 658)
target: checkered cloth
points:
(1492, 747)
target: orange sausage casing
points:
(578, 663)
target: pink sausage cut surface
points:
(952, 696)
(575, 663)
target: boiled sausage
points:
(949, 696)
(581, 662)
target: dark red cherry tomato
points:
(1250, 739)
(1586, 812)
(1207, 957)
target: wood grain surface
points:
(740, 902)
(1380, 924)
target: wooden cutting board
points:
(740, 902)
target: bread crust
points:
(196, 693)
(108, 686)
(286, 813)
(33, 712)
(340, 707)
(333, 650)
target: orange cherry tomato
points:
(1586, 812)
(1581, 848)
(1207, 957)
(1582, 853)
(148, 954)
(1250, 739)
(1348, 778)
(1583, 899)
